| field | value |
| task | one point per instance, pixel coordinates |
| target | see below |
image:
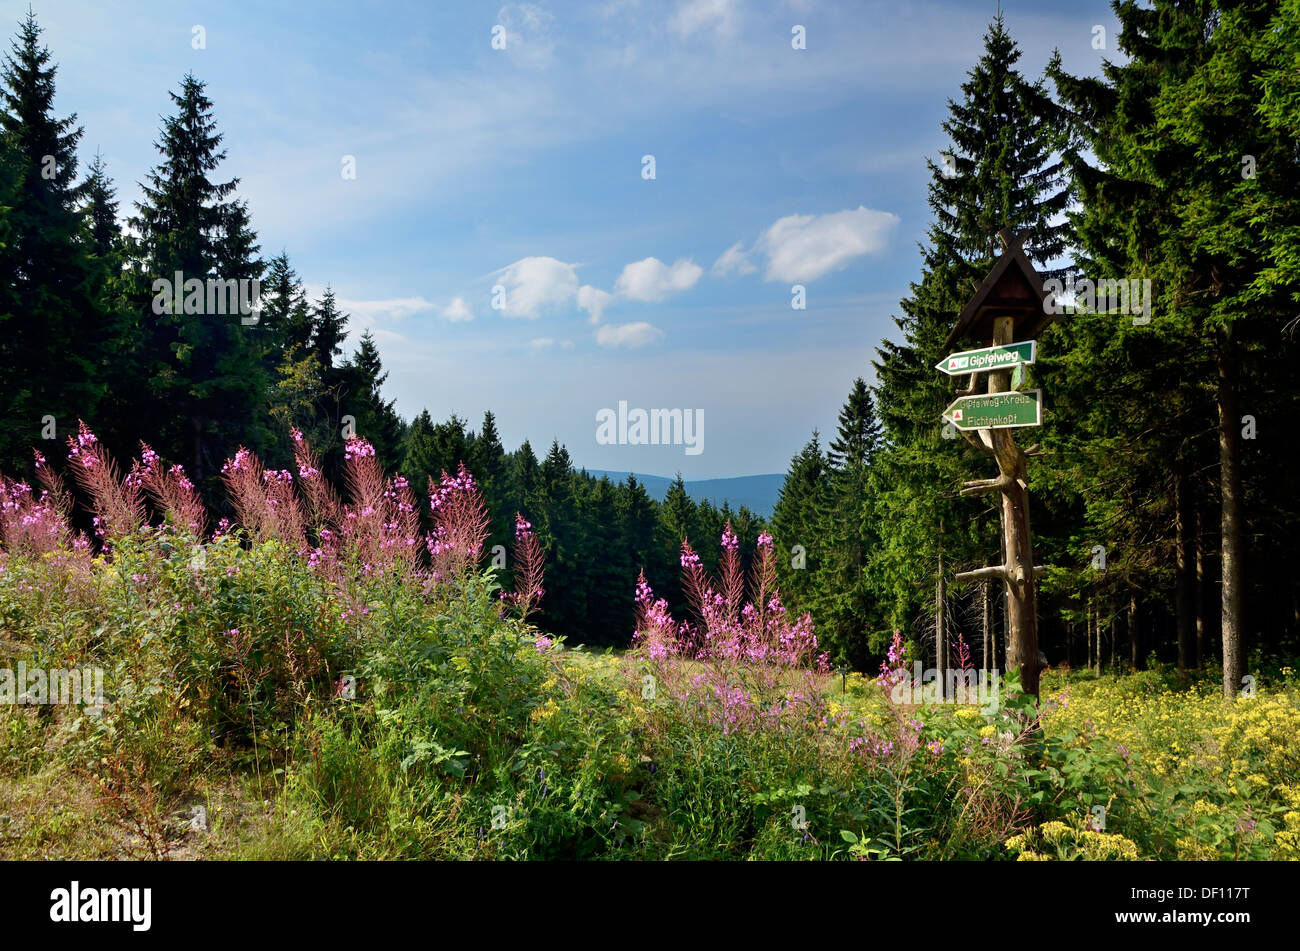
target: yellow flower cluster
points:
(1260, 740)
(545, 710)
(1167, 731)
(1057, 841)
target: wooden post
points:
(1008, 302)
(1021, 586)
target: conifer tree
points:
(376, 418)
(49, 323)
(795, 529)
(205, 386)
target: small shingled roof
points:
(1011, 289)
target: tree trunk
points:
(1185, 584)
(1134, 647)
(1110, 633)
(940, 626)
(988, 623)
(1230, 553)
(1087, 626)
(1200, 591)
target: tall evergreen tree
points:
(842, 602)
(101, 210)
(376, 418)
(205, 386)
(795, 529)
(48, 320)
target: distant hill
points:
(758, 492)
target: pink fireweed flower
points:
(356, 447)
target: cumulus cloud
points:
(541, 343)
(627, 335)
(593, 301)
(652, 280)
(806, 247)
(733, 261)
(458, 310)
(536, 284)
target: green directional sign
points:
(996, 410)
(989, 358)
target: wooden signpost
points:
(1006, 315)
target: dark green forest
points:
(1164, 500)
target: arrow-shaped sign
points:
(996, 410)
(989, 358)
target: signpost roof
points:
(1011, 289)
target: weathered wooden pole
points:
(1008, 311)
(1022, 589)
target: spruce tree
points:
(205, 388)
(795, 531)
(841, 600)
(377, 419)
(49, 317)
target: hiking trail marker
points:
(989, 358)
(996, 411)
(1007, 313)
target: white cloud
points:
(537, 284)
(695, 15)
(529, 39)
(733, 260)
(566, 344)
(627, 335)
(541, 343)
(458, 310)
(593, 301)
(394, 308)
(652, 280)
(806, 247)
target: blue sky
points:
(478, 167)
